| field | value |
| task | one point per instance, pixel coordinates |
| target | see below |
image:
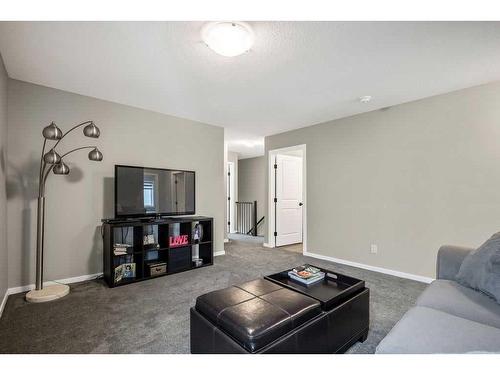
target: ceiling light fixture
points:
(365, 99)
(228, 38)
(249, 143)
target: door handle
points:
(301, 204)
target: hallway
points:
(243, 238)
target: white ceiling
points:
(296, 74)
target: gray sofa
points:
(448, 317)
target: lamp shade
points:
(52, 132)
(91, 131)
(52, 157)
(61, 168)
(95, 155)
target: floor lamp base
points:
(48, 293)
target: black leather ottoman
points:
(263, 317)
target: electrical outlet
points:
(373, 248)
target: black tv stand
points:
(141, 248)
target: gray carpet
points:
(153, 316)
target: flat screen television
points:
(141, 191)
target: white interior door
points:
(288, 200)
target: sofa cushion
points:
(456, 299)
(426, 330)
(480, 270)
(258, 312)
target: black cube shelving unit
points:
(159, 249)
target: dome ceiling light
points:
(228, 38)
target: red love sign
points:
(179, 240)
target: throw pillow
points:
(480, 270)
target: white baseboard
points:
(226, 240)
(26, 288)
(70, 280)
(265, 244)
(4, 301)
(404, 275)
(219, 253)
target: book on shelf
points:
(121, 249)
(128, 270)
(124, 271)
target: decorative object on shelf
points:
(53, 161)
(118, 273)
(198, 233)
(198, 262)
(181, 240)
(149, 239)
(157, 269)
(128, 270)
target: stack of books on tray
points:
(306, 274)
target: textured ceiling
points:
(296, 74)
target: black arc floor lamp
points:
(52, 161)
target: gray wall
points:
(409, 179)
(252, 185)
(3, 173)
(75, 204)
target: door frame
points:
(271, 241)
(231, 181)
